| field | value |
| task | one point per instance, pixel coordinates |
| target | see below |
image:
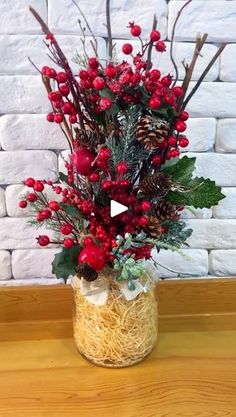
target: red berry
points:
(58, 118)
(135, 30)
(88, 241)
(178, 91)
(83, 75)
(156, 160)
(54, 96)
(122, 168)
(94, 177)
(105, 103)
(99, 83)
(40, 217)
(66, 229)
(127, 48)
(170, 100)
(180, 126)
(104, 153)
(93, 63)
(110, 71)
(155, 74)
(172, 141)
(183, 142)
(106, 185)
(38, 186)
(43, 240)
(93, 256)
(29, 182)
(58, 189)
(184, 116)
(145, 205)
(166, 81)
(58, 104)
(69, 108)
(50, 117)
(143, 221)
(68, 242)
(22, 203)
(64, 89)
(154, 102)
(46, 213)
(31, 197)
(174, 153)
(82, 159)
(73, 119)
(53, 205)
(155, 36)
(62, 77)
(51, 73)
(160, 46)
(45, 70)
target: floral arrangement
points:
(125, 123)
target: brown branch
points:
(109, 34)
(203, 75)
(172, 40)
(149, 52)
(86, 22)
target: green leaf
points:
(72, 211)
(201, 193)
(181, 171)
(106, 92)
(63, 178)
(65, 262)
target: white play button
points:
(117, 208)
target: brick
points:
(5, 262)
(218, 167)
(22, 164)
(30, 131)
(2, 203)
(18, 233)
(15, 50)
(32, 281)
(213, 100)
(34, 263)
(201, 134)
(181, 51)
(16, 192)
(18, 19)
(222, 262)
(23, 94)
(216, 18)
(193, 263)
(212, 233)
(227, 64)
(63, 16)
(225, 135)
(226, 208)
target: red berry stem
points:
(149, 52)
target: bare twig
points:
(86, 22)
(149, 52)
(35, 66)
(205, 72)
(172, 40)
(109, 34)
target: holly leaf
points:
(65, 262)
(201, 193)
(181, 171)
(71, 210)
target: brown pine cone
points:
(87, 272)
(164, 210)
(151, 132)
(157, 184)
(89, 138)
(153, 228)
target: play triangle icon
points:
(117, 208)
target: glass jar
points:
(120, 332)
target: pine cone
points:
(157, 184)
(89, 138)
(164, 210)
(151, 132)
(153, 227)
(87, 272)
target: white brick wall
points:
(29, 145)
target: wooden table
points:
(192, 373)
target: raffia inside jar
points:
(119, 333)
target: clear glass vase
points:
(118, 333)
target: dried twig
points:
(172, 40)
(109, 34)
(205, 72)
(149, 52)
(88, 27)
